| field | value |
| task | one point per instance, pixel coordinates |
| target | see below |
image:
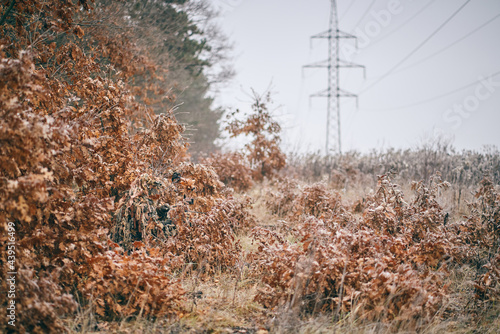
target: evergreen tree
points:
(180, 35)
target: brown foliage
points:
(262, 156)
(281, 201)
(388, 265)
(483, 223)
(82, 162)
(97, 192)
(133, 284)
(295, 202)
(232, 168)
(481, 236)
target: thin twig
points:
(7, 12)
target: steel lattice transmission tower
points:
(333, 92)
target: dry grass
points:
(224, 302)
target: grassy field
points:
(320, 224)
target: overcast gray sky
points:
(419, 99)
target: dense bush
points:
(387, 264)
(83, 161)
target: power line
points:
(365, 13)
(417, 48)
(347, 10)
(403, 24)
(438, 96)
(448, 46)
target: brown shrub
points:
(281, 201)
(68, 152)
(389, 265)
(481, 236)
(263, 152)
(122, 285)
(232, 168)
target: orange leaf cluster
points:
(104, 207)
(232, 169)
(481, 235)
(387, 264)
(132, 284)
(261, 158)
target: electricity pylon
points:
(333, 92)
